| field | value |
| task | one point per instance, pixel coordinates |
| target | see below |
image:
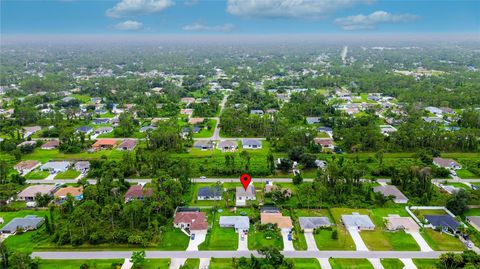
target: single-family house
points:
(434, 110)
(239, 223)
(327, 130)
(203, 144)
(256, 112)
(194, 222)
(127, 144)
(444, 222)
(251, 143)
(446, 163)
(62, 193)
(194, 121)
(137, 192)
(210, 193)
(269, 187)
(227, 145)
(29, 193)
(82, 166)
(26, 223)
(30, 130)
(27, 144)
(313, 120)
(103, 130)
(308, 224)
(101, 121)
(357, 221)
(24, 167)
(321, 164)
(283, 222)
(85, 129)
(474, 221)
(186, 111)
(242, 195)
(326, 143)
(447, 110)
(51, 144)
(55, 166)
(391, 190)
(187, 100)
(104, 143)
(146, 128)
(387, 129)
(396, 223)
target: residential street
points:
(236, 254)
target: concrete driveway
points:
(324, 263)
(376, 263)
(204, 263)
(357, 239)
(287, 244)
(242, 244)
(193, 244)
(408, 264)
(420, 241)
(177, 262)
(311, 244)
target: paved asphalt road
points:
(70, 255)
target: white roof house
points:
(55, 167)
(237, 222)
(361, 222)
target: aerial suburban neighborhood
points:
(228, 146)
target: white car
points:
(203, 177)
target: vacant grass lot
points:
(75, 264)
(44, 156)
(306, 264)
(191, 264)
(173, 239)
(425, 263)
(216, 263)
(441, 241)
(324, 238)
(156, 264)
(392, 263)
(350, 264)
(464, 173)
(220, 238)
(69, 174)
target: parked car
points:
(203, 177)
(192, 237)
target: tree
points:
(297, 179)
(19, 260)
(138, 257)
(285, 165)
(458, 202)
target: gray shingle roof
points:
(313, 222)
(26, 223)
(210, 191)
(252, 142)
(361, 221)
(238, 222)
(444, 221)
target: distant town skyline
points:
(237, 17)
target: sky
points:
(237, 17)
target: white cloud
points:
(127, 8)
(362, 22)
(129, 25)
(304, 9)
(200, 27)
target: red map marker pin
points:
(245, 179)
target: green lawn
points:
(258, 239)
(37, 174)
(220, 238)
(382, 240)
(441, 241)
(425, 263)
(75, 264)
(464, 173)
(306, 264)
(44, 156)
(156, 264)
(207, 132)
(350, 264)
(421, 213)
(69, 174)
(191, 264)
(173, 239)
(392, 263)
(324, 237)
(216, 263)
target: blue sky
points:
(224, 17)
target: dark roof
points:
(84, 129)
(27, 222)
(188, 209)
(128, 144)
(270, 209)
(213, 191)
(445, 221)
(324, 129)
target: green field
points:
(69, 174)
(392, 263)
(440, 241)
(216, 263)
(75, 264)
(350, 264)
(425, 263)
(173, 239)
(258, 239)
(464, 173)
(306, 264)
(156, 264)
(191, 264)
(208, 131)
(37, 174)
(44, 156)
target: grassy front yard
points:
(37, 174)
(220, 238)
(259, 239)
(392, 263)
(191, 264)
(173, 239)
(69, 174)
(306, 263)
(350, 264)
(441, 241)
(75, 264)
(464, 173)
(216, 263)
(382, 240)
(156, 264)
(425, 263)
